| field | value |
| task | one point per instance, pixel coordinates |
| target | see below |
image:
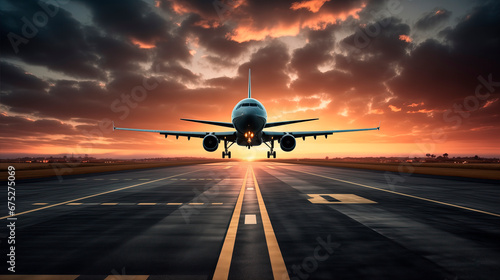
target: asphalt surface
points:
(253, 220)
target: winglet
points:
(378, 127)
(113, 125)
(249, 84)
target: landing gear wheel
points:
(223, 154)
(228, 154)
(271, 152)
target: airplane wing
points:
(273, 135)
(225, 124)
(230, 135)
(272, 124)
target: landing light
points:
(249, 135)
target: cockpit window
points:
(250, 105)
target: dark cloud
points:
(22, 127)
(213, 36)
(316, 52)
(477, 36)
(362, 71)
(57, 42)
(114, 53)
(432, 19)
(173, 48)
(176, 72)
(268, 66)
(132, 18)
(442, 73)
(381, 39)
(206, 9)
(14, 77)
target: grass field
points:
(471, 170)
(41, 170)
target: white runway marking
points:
(341, 199)
(250, 219)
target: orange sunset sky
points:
(427, 70)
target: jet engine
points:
(210, 143)
(287, 143)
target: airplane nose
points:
(250, 123)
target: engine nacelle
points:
(288, 143)
(210, 143)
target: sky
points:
(428, 71)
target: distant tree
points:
(445, 155)
(476, 157)
(433, 156)
(428, 155)
(326, 158)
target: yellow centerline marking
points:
(109, 203)
(146, 203)
(277, 263)
(40, 203)
(226, 254)
(94, 195)
(135, 277)
(270, 167)
(174, 203)
(74, 203)
(404, 194)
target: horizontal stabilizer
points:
(272, 124)
(224, 124)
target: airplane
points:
(248, 119)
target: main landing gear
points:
(226, 152)
(271, 153)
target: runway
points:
(254, 220)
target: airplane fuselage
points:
(249, 118)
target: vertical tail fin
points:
(249, 84)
